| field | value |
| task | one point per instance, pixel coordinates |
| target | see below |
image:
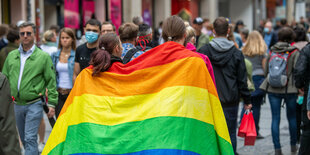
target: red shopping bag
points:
(243, 125)
(251, 131)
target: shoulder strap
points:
(129, 55)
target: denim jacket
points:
(55, 59)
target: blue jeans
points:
(275, 104)
(231, 115)
(28, 118)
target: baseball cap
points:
(198, 20)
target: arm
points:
(76, 71)
(301, 68)
(308, 104)
(5, 69)
(50, 80)
(264, 63)
(242, 81)
(8, 131)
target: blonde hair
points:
(190, 33)
(47, 36)
(255, 45)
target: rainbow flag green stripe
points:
(163, 102)
(154, 133)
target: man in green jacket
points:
(201, 39)
(8, 134)
(30, 72)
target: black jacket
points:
(302, 73)
(230, 74)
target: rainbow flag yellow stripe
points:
(163, 102)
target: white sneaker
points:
(41, 147)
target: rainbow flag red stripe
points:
(163, 102)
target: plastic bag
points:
(247, 128)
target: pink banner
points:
(71, 14)
(116, 12)
(88, 10)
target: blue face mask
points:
(266, 30)
(91, 37)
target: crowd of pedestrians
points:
(245, 67)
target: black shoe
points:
(259, 136)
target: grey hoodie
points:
(221, 44)
(222, 52)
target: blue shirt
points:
(267, 39)
(126, 48)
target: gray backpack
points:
(277, 76)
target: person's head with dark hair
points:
(27, 32)
(221, 27)
(174, 30)
(13, 36)
(107, 27)
(301, 33)
(137, 20)
(283, 22)
(239, 25)
(197, 25)
(161, 24)
(109, 46)
(286, 34)
(244, 33)
(145, 31)
(144, 36)
(128, 33)
(92, 31)
(4, 28)
(302, 20)
(67, 39)
(93, 22)
(55, 28)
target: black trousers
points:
(61, 101)
(305, 137)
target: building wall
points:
(50, 16)
(244, 13)
(100, 11)
(131, 8)
(162, 9)
(18, 10)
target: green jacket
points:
(38, 74)
(9, 143)
(5, 51)
(203, 39)
(249, 70)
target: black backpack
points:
(132, 52)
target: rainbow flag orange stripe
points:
(163, 102)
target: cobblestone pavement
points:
(265, 146)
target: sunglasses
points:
(23, 33)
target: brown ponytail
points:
(101, 58)
(173, 28)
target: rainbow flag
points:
(163, 102)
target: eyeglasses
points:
(23, 33)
